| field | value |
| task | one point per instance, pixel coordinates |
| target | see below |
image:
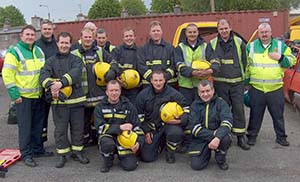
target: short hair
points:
(159, 71)
(90, 25)
(113, 82)
(264, 25)
(191, 25)
(128, 29)
(46, 21)
(30, 27)
(204, 83)
(86, 29)
(154, 23)
(223, 20)
(64, 34)
(101, 30)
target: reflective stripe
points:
(147, 73)
(22, 59)
(63, 151)
(279, 44)
(9, 66)
(45, 82)
(84, 83)
(108, 115)
(93, 99)
(69, 78)
(77, 148)
(28, 90)
(251, 51)
(153, 62)
(10, 85)
(239, 130)
(265, 65)
(170, 71)
(28, 73)
(227, 61)
(265, 81)
(214, 61)
(227, 124)
(125, 65)
(228, 80)
(203, 47)
(195, 127)
(125, 152)
(170, 146)
(206, 115)
(70, 101)
(194, 152)
(120, 116)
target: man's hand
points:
(56, 86)
(136, 147)
(214, 144)
(174, 121)
(275, 55)
(148, 138)
(19, 100)
(126, 127)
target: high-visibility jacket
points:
(230, 63)
(21, 71)
(264, 73)
(186, 56)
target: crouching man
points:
(119, 129)
(211, 122)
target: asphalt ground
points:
(266, 161)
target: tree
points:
(134, 7)
(163, 6)
(11, 14)
(104, 9)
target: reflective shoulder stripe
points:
(213, 43)
(9, 66)
(203, 47)
(22, 59)
(40, 50)
(99, 54)
(251, 51)
(279, 47)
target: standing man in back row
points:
(102, 40)
(227, 55)
(48, 44)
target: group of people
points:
(53, 72)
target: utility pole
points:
(212, 5)
(42, 5)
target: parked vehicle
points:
(2, 54)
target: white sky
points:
(60, 10)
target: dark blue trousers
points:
(30, 114)
(258, 102)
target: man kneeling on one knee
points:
(211, 122)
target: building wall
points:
(243, 22)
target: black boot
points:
(170, 157)
(78, 156)
(107, 163)
(61, 161)
(242, 142)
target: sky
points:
(60, 10)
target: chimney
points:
(177, 9)
(36, 22)
(124, 13)
(6, 25)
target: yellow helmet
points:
(130, 78)
(170, 111)
(100, 69)
(200, 64)
(127, 139)
(67, 91)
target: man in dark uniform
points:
(112, 116)
(102, 40)
(126, 57)
(63, 71)
(48, 44)
(90, 54)
(157, 133)
(227, 55)
(156, 54)
(211, 122)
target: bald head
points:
(91, 26)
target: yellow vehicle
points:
(295, 29)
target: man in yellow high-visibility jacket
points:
(21, 73)
(267, 58)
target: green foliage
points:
(164, 6)
(134, 7)
(104, 9)
(13, 15)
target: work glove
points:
(62, 97)
(110, 75)
(48, 96)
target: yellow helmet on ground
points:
(201, 65)
(170, 111)
(130, 78)
(100, 69)
(127, 139)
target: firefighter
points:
(267, 58)
(159, 134)
(63, 72)
(93, 28)
(91, 54)
(227, 55)
(47, 43)
(102, 40)
(156, 54)
(20, 74)
(126, 57)
(211, 122)
(190, 50)
(112, 116)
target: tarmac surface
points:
(266, 161)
